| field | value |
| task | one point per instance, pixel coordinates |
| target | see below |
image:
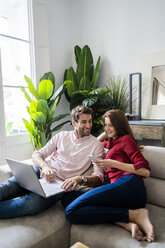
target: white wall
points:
(64, 34)
(118, 30)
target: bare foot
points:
(141, 218)
(133, 229)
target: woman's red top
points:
(124, 149)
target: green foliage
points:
(9, 127)
(100, 102)
(42, 109)
(81, 86)
(118, 92)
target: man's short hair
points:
(76, 112)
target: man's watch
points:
(84, 179)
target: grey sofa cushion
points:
(156, 157)
(5, 173)
(112, 236)
(47, 229)
(155, 184)
(155, 191)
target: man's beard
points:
(82, 133)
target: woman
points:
(122, 200)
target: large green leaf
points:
(57, 96)
(45, 89)
(85, 64)
(65, 89)
(33, 106)
(29, 127)
(37, 142)
(42, 106)
(32, 141)
(53, 108)
(59, 93)
(68, 84)
(43, 139)
(90, 101)
(49, 135)
(77, 52)
(32, 88)
(28, 98)
(38, 118)
(70, 81)
(28, 109)
(84, 83)
(96, 74)
(84, 93)
(99, 91)
(49, 76)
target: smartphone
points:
(91, 157)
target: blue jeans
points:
(107, 203)
(16, 201)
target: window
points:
(24, 50)
(16, 60)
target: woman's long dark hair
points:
(119, 121)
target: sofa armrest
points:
(5, 173)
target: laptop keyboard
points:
(50, 188)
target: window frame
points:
(19, 146)
(18, 138)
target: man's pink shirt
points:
(68, 155)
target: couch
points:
(50, 229)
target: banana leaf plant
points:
(42, 106)
(81, 86)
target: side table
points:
(149, 132)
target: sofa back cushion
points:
(155, 184)
(5, 173)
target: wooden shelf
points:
(149, 132)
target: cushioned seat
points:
(113, 236)
(48, 229)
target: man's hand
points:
(48, 173)
(71, 183)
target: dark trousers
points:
(16, 201)
(107, 203)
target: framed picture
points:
(152, 67)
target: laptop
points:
(27, 178)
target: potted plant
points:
(118, 91)
(42, 109)
(81, 86)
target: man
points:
(66, 157)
